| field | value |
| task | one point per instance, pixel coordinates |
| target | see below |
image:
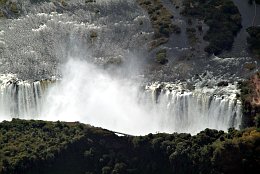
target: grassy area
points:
(223, 19)
(33, 147)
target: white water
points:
(192, 111)
(20, 98)
(90, 95)
(42, 44)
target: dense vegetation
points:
(161, 20)
(32, 147)
(254, 39)
(223, 19)
(24, 144)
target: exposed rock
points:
(250, 95)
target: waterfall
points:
(97, 50)
(191, 111)
(21, 99)
(170, 107)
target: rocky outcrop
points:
(250, 95)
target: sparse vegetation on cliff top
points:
(161, 20)
(223, 19)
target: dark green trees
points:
(223, 19)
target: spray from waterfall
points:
(91, 94)
(89, 61)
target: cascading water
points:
(192, 111)
(119, 104)
(97, 51)
(20, 98)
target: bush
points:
(223, 19)
(161, 20)
(161, 57)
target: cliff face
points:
(255, 80)
(250, 95)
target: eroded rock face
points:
(250, 95)
(256, 94)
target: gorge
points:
(129, 86)
(91, 64)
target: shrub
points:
(161, 56)
(223, 19)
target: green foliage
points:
(3, 2)
(223, 19)
(93, 34)
(23, 143)
(161, 19)
(161, 56)
(33, 147)
(9, 5)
